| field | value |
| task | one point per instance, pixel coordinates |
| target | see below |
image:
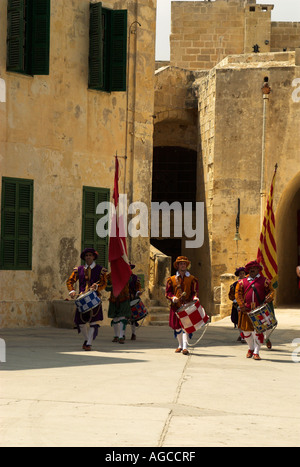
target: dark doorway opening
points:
(174, 174)
(174, 179)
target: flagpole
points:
(265, 91)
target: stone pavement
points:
(142, 394)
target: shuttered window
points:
(16, 224)
(108, 49)
(28, 36)
(90, 239)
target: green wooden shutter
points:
(91, 198)
(16, 224)
(40, 37)
(96, 47)
(118, 59)
(15, 36)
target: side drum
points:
(138, 310)
(87, 301)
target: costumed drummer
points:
(119, 309)
(249, 298)
(91, 276)
(181, 288)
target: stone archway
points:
(287, 236)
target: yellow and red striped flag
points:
(267, 254)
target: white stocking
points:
(90, 336)
(253, 341)
(249, 339)
(122, 327)
(116, 327)
(84, 330)
(185, 341)
(257, 343)
(179, 338)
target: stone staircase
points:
(158, 314)
(160, 270)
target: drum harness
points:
(203, 332)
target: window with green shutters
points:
(90, 239)
(28, 36)
(108, 49)
(16, 224)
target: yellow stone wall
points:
(204, 33)
(63, 136)
(284, 35)
(231, 104)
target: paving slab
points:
(142, 394)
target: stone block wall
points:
(284, 36)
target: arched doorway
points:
(288, 243)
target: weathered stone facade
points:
(229, 134)
(207, 101)
(63, 136)
(204, 33)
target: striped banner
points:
(267, 254)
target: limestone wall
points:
(234, 168)
(63, 136)
(284, 36)
(203, 33)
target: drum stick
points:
(182, 295)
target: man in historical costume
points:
(181, 288)
(91, 276)
(240, 274)
(119, 309)
(251, 292)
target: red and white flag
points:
(117, 252)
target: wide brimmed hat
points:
(238, 270)
(89, 250)
(252, 264)
(181, 259)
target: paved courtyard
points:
(142, 394)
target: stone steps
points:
(159, 315)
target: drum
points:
(192, 316)
(263, 318)
(138, 310)
(87, 301)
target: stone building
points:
(211, 115)
(77, 87)
(197, 130)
